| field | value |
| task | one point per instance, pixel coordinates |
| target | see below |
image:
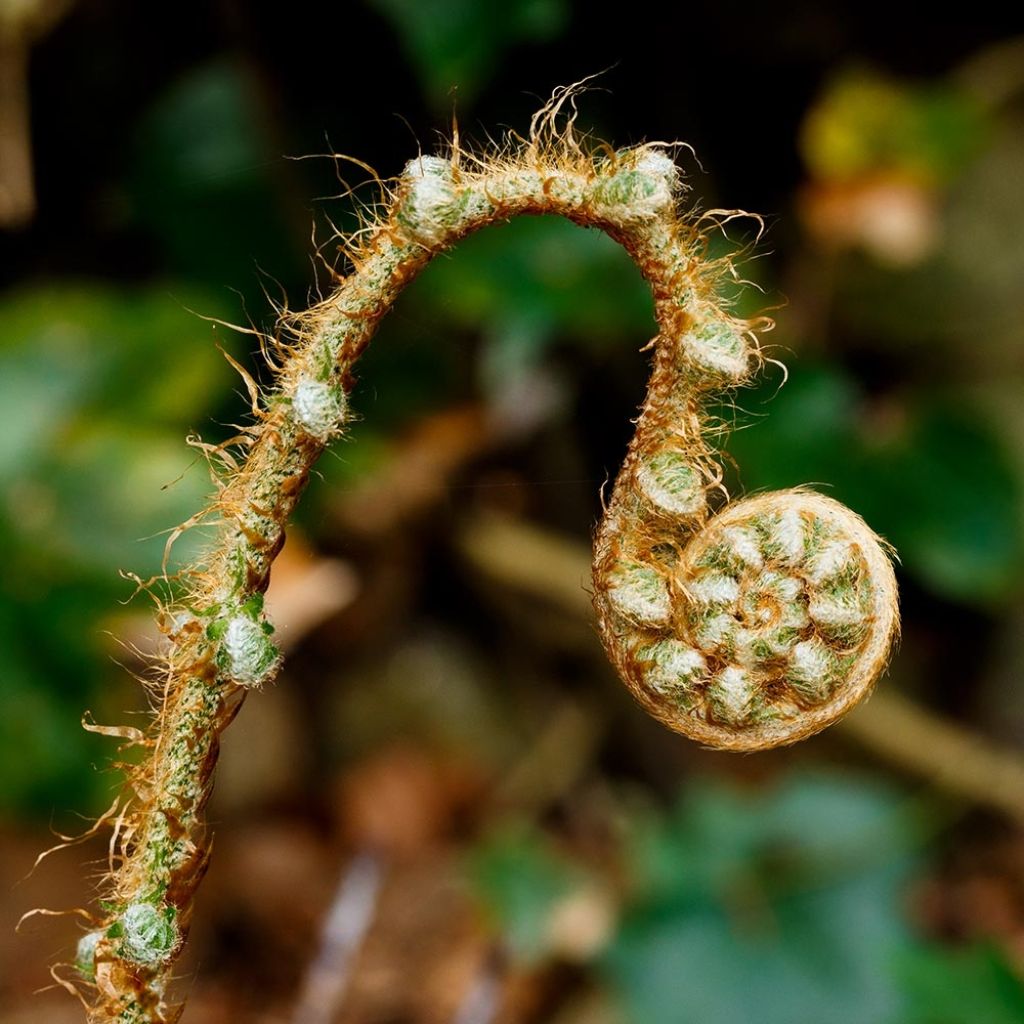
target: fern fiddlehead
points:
(744, 629)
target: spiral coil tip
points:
(769, 624)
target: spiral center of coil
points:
(759, 610)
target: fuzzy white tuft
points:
(318, 407)
(656, 163)
(148, 933)
(789, 535)
(720, 349)
(673, 666)
(834, 612)
(717, 631)
(251, 655)
(730, 694)
(641, 594)
(811, 660)
(431, 194)
(671, 484)
(642, 186)
(811, 669)
(831, 560)
(715, 588)
(743, 543)
(85, 954)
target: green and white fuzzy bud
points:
(251, 656)
(794, 615)
(671, 667)
(428, 209)
(787, 588)
(731, 695)
(744, 546)
(718, 350)
(812, 669)
(146, 933)
(671, 484)
(245, 652)
(658, 164)
(774, 599)
(789, 536)
(642, 186)
(85, 954)
(755, 646)
(835, 612)
(714, 588)
(832, 559)
(717, 632)
(640, 593)
(318, 407)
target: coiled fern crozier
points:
(744, 627)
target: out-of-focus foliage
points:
(960, 987)
(866, 124)
(456, 43)
(737, 910)
(204, 186)
(98, 385)
(743, 912)
(529, 285)
(522, 882)
(963, 302)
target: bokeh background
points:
(447, 809)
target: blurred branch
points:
(531, 561)
(949, 756)
(17, 191)
(343, 932)
(482, 1001)
(416, 478)
(995, 74)
(555, 572)
(21, 24)
(554, 763)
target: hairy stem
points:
(749, 631)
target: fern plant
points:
(743, 625)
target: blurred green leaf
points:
(44, 753)
(802, 433)
(114, 496)
(717, 831)
(103, 384)
(967, 987)
(460, 42)
(529, 284)
(946, 495)
(521, 288)
(564, 280)
(205, 184)
(520, 880)
(74, 349)
(775, 908)
(99, 386)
